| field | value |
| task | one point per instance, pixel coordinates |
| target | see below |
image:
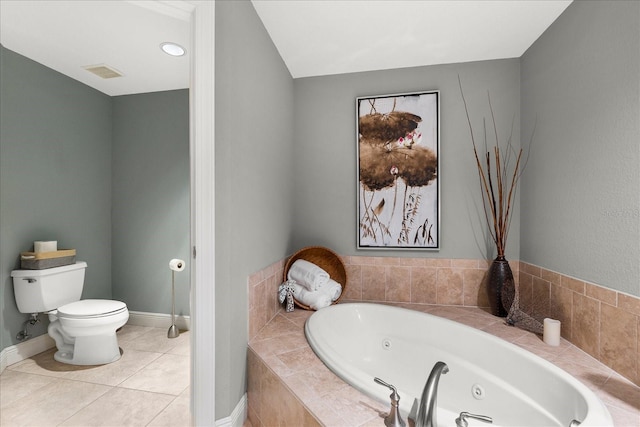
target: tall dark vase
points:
(500, 287)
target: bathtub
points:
(487, 375)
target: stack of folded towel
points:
(312, 286)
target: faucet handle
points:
(389, 386)
(461, 421)
(393, 419)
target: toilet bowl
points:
(85, 331)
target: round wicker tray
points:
(324, 258)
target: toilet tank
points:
(37, 291)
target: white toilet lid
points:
(91, 308)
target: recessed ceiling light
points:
(172, 49)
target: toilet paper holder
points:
(174, 265)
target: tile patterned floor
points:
(148, 386)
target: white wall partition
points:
(203, 219)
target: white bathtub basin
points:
(487, 375)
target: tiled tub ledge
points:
(289, 386)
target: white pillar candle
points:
(551, 334)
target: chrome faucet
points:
(393, 419)
(461, 421)
(426, 416)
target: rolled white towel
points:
(331, 288)
(307, 274)
(315, 300)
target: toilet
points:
(84, 330)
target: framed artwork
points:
(398, 139)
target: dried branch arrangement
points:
(498, 179)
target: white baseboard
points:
(237, 417)
(158, 320)
(24, 350)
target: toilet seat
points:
(91, 308)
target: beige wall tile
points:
(252, 419)
(353, 291)
(293, 413)
(423, 285)
(364, 260)
(255, 278)
(560, 307)
(412, 262)
(622, 417)
(398, 284)
(585, 324)
(252, 303)
(573, 284)
(603, 294)
(620, 393)
(486, 263)
(271, 289)
(438, 262)
(540, 299)
(323, 409)
(373, 282)
(270, 270)
(475, 288)
(550, 276)
(530, 269)
(449, 286)
(255, 373)
(525, 287)
(464, 263)
(388, 261)
(262, 309)
(353, 408)
(619, 340)
(314, 382)
(629, 303)
(272, 394)
(460, 282)
(300, 359)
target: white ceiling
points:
(314, 37)
(320, 37)
(69, 35)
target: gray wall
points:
(126, 219)
(254, 179)
(150, 208)
(55, 176)
(581, 193)
(325, 151)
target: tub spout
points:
(426, 416)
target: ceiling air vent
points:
(103, 71)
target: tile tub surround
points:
(457, 282)
(287, 382)
(602, 322)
